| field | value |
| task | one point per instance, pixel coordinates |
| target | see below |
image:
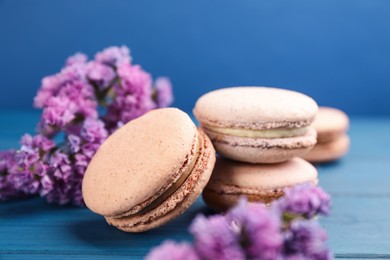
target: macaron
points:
(258, 124)
(149, 171)
(257, 182)
(333, 142)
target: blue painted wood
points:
(358, 226)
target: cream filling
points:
(255, 133)
(175, 186)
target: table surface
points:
(358, 227)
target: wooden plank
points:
(355, 227)
(359, 226)
(363, 178)
(34, 225)
(370, 138)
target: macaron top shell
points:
(139, 161)
(255, 108)
(261, 176)
(330, 120)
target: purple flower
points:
(93, 131)
(114, 56)
(215, 238)
(74, 143)
(82, 147)
(258, 229)
(306, 200)
(51, 85)
(84, 102)
(7, 166)
(164, 96)
(100, 74)
(59, 112)
(170, 250)
(58, 183)
(31, 163)
(38, 143)
(253, 231)
(78, 58)
(74, 101)
(305, 239)
(132, 97)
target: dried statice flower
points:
(132, 97)
(7, 167)
(253, 231)
(58, 182)
(31, 163)
(114, 56)
(215, 238)
(51, 85)
(82, 104)
(306, 200)
(163, 88)
(305, 239)
(258, 229)
(78, 58)
(101, 76)
(92, 135)
(170, 250)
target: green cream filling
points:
(255, 133)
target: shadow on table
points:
(96, 232)
(80, 228)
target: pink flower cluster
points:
(285, 230)
(81, 105)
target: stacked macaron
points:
(331, 125)
(258, 133)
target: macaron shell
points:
(330, 123)
(258, 182)
(255, 108)
(262, 150)
(329, 151)
(178, 202)
(138, 162)
(230, 174)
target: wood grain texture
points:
(358, 226)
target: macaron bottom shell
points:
(329, 151)
(262, 150)
(179, 201)
(222, 202)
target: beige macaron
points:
(149, 171)
(333, 142)
(258, 124)
(257, 182)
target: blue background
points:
(337, 51)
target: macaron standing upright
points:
(258, 124)
(149, 171)
(333, 141)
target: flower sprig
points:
(254, 231)
(81, 105)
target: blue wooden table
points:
(358, 228)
